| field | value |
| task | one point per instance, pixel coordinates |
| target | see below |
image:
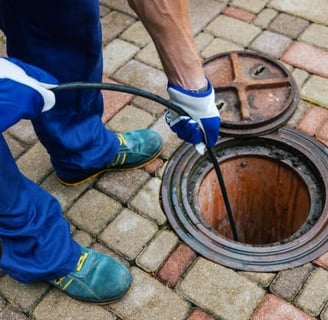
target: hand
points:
(23, 91)
(203, 122)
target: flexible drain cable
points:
(168, 104)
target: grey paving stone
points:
(16, 148)
(2, 304)
(93, 211)
(303, 9)
(156, 252)
(24, 296)
(203, 12)
(233, 29)
(288, 283)
(324, 314)
(130, 118)
(57, 305)
(271, 43)
(35, 163)
(264, 18)
(23, 131)
(254, 6)
(219, 46)
(113, 24)
(288, 25)
(82, 238)
(122, 185)
(128, 234)
(314, 294)
(300, 76)
(137, 34)
(317, 35)
(221, 291)
(301, 109)
(261, 278)
(119, 5)
(203, 40)
(316, 90)
(65, 195)
(116, 54)
(147, 201)
(9, 313)
(149, 56)
(149, 299)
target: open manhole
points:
(277, 182)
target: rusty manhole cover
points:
(276, 177)
(255, 94)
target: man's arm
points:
(168, 23)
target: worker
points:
(57, 41)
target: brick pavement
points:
(125, 218)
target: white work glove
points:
(201, 126)
(24, 91)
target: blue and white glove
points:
(203, 123)
(24, 91)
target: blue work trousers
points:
(64, 38)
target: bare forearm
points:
(167, 21)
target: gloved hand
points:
(24, 91)
(203, 124)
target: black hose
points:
(171, 106)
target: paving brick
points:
(128, 234)
(35, 163)
(317, 35)
(288, 283)
(314, 294)
(16, 147)
(324, 314)
(313, 120)
(271, 43)
(322, 261)
(147, 203)
(203, 40)
(315, 90)
(114, 101)
(149, 56)
(130, 118)
(116, 54)
(157, 251)
(261, 278)
(264, 18)
(199, 314)
(307, 57)
(65, 195)
(10, 313)
(202, 12)
(300, 76)
(273, 308)
(240, 14)
(137, 34)
(288, 25)
(223, 292)
(298, 115)
(22, 295)
(57, 305)
(93, 211)
(82, 238)
(23, 131)
(153, 166)
(114, 24)
(322, 135)
(176, 265)
(148, 299)
(254, 6)
(233, 30)
(219, 46)
(303, 9)
(122, 185)
(119, 5)
(2, 304)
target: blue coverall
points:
(64, 38)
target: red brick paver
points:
(239, 14)
(307, 57)
(322, 261)
(176, 265)
(274, 308)
(198, 314)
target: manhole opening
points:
(269, 200)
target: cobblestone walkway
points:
(120, 213)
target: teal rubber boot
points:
(97, 278)
(137, 148)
